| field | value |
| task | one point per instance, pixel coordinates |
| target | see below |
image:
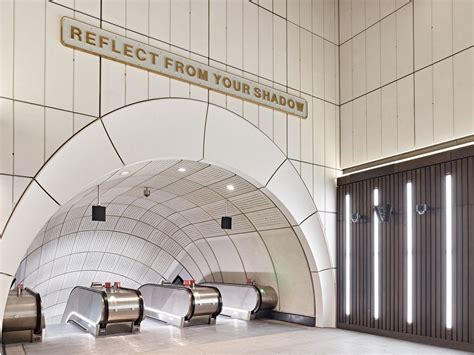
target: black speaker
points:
(98, 213)
(226, 222)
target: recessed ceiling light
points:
(230, 187)
(124, 173)
(182, 170)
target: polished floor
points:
(226, 337)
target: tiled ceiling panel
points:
(179, 204)
(220, 208)
(181, 238)
(125, 225)
(239, 185)
(144, 202)
(162, 210)
(203, 196)
(151, 218)
(210, 175)
(190, 166)
(192, 232)
(210, 229)
(196, 215)
(115, 209)
(157, 182)
(240, 224)
(182, 187)
(134, 212)
(252, 201)
(101, 240)
(178, 220)
(270, 218)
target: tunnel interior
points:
(173, 233)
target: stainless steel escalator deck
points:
(181, 306)
(23, 319)
(244, 301)
(105, 310)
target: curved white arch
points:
(167, 129)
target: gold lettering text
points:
(179, 67)
(90, 38)
(113, 47)
(127, 50)
(190, 70)
(257, 93)
(202, 74)
(237, 85)
(168, 62)
(103, 41)
(227, 82)
(153, 57)
(76, 32)
(137, 53)
(266, 95)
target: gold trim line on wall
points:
(94, 40)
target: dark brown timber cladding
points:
(429, 251)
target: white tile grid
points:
(118, 90)
(415, 89)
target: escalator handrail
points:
(176, 287)
(257, 290)
(103, 322)
(36, 295)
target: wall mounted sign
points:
(91, 39)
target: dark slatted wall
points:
(429, 258)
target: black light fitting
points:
(383, 213)
(226, 221)
(98, 211)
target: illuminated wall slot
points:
(376, 256)
(449, 254)
(348, 254)
(409, 209)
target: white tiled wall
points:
(49, 92)
(406, 75)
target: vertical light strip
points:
(348, 254)
(376, 256)
(449, 254)
(409, 209)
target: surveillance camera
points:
(146, 192)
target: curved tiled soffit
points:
(174, 231)
(277, 240)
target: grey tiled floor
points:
(227, 336)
